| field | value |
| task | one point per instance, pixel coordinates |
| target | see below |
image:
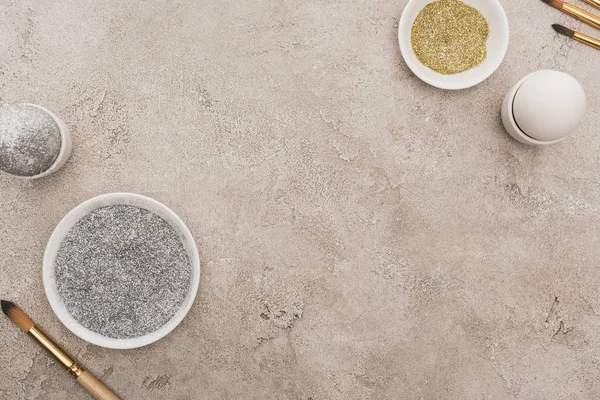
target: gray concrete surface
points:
(362, 235)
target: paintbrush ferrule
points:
(585, 39)
(581, 15)
(56, 351)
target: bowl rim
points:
(417, 67)
(67, 223)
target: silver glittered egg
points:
(33, 141)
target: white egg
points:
(34, 142)
(549, 105)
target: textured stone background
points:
(362, 235)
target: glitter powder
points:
(29, 140)
(122, 271)
(450, 37)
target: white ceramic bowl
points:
(70, 220)
(497, 45)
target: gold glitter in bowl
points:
(449, 37)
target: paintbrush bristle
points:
(555, 3)
(16, 315)
(563, 30)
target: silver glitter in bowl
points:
(30, 140)
(122, 271)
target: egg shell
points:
(29, 140)
(549, 105)
(25, 149)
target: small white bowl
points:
(497, 45)
(70, 220)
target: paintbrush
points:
(580, 37)
(576, 12)
(85, 378)
(595, 3)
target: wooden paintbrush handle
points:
(95, 387)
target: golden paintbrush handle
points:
(95, 387)
(595, 3)
(585, 39)
(581, 15)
